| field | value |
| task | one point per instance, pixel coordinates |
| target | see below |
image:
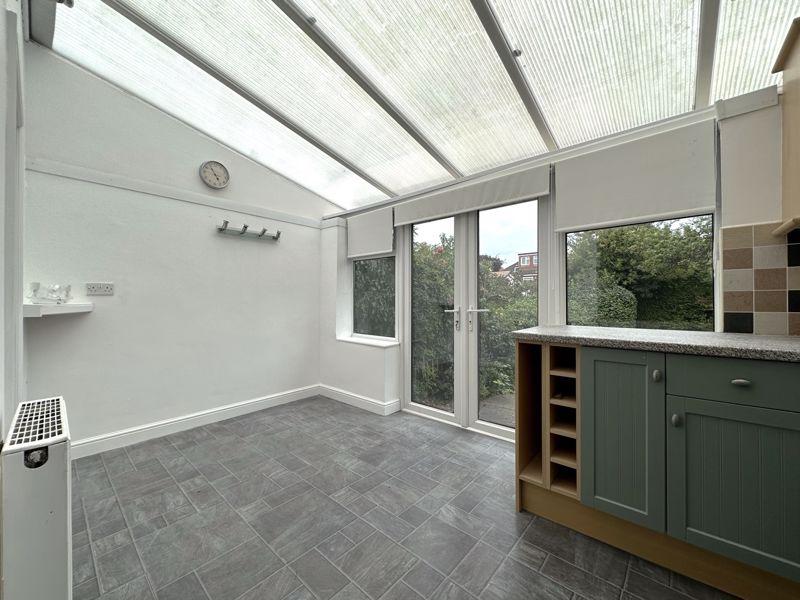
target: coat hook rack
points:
(244, 231)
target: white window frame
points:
(377, 340)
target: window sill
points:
(365, 341)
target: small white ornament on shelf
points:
(53, 293)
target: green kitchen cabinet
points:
(622, 434)
(733, 480)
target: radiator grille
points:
(37, 422)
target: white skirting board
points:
(141, 433)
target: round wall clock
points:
(214, 174)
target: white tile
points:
(769, 257)
(769, 323)
(737, 280)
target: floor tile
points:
(138, 589)
(423, 578)
(395, 527)
(295, 527)
(319, 575)
(394, 496)
(474, 572)
(578, 580)
(230, 575)
(277, 586)
(439, 544)
(173, 551)
(394, 507)
(186, 588)
(118, 567)
(513, 581)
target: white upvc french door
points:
(465, 289)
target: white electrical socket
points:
(99, 289)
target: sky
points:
(503, 232)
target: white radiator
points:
(37, 530)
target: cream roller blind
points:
(524, 184)
(670, 174)
(370, 234)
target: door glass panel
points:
(432, 331)
(508, 277)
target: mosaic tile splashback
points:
(761, 280)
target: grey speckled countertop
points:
(705, 343)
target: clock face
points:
(214, 174)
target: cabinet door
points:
(622, 434)
(734, 481)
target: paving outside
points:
(319, 500)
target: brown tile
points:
(770, 301)
(770, 323)
(762, 235)
(738, 301)
(737, 237)
(740, 258)
(770, 279)
(793, 278)
(794, 323)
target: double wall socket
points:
(99, 289)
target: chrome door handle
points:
(471, 310)
(741, 382)
(456, 311)
(657, 375)
(676, 420)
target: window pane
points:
(373, 296)
(654, 275)
(599, 67)
(408, 49)
(255, 44)
(508, 279)
(99, 39)
(432, 335)
(750, 34)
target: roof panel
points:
(750, 34)
(98, 38)
(255, 44)
(599, 67)
(435, 62)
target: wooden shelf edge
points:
(565, 430)
(566, 459)
(532, 473)
(564, 487)
(30, 310)
(563, 373)
(566, 402)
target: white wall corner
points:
(383, 408)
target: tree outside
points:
(654, 275)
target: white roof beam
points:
(706, 47)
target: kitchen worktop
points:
(704, 343)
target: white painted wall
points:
(353, 370)
(750, 166)
(199, 320)
(80, 119)
(12, 144)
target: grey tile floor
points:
(318, 500)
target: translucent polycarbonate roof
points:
(363, 100)
(111, 46)
(598, 67)
(435, 60)
(254, 43)
(749, 37)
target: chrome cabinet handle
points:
(657, 375)
(676, 420)
(740, 382)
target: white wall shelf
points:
(43, 310)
